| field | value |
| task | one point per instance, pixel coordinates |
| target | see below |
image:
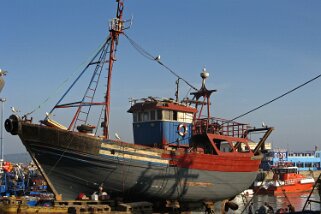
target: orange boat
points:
(286, 178)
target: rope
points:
(64, 82)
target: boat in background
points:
(180, 151)
(17, 179)
(286, 179)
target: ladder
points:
(88, 98)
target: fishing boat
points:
(180, 152)
(286, 179)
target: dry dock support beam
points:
(58, 196)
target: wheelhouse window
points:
(146, 116)
(184, 117)
(152, 115)
(241, 147)
(135, 117)
(175, 115)
(143, 116)
(140, 116)
(284, 171)
(223, 146)
(159, 115)
(168, 115)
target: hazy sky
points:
(253, 50)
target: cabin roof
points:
(161, 105)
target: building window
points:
(308, 165)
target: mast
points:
(101, 58)
(116, 27)
(206, 94)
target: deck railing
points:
(219, 126)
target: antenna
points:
(177, 90)
(205, 94)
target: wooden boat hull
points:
(78, 163)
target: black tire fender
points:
(12, 124)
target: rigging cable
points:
(149, 56)
(275, 99)
(67, 79)
(82, 72)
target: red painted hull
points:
(223, 163)
(292, 188)
(289, 188)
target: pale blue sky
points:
(254, 51)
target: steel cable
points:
(66, 80)
(149, 56)
(275, 99)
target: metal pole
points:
(116, 28)
(2, 100)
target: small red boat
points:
(286, 179)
